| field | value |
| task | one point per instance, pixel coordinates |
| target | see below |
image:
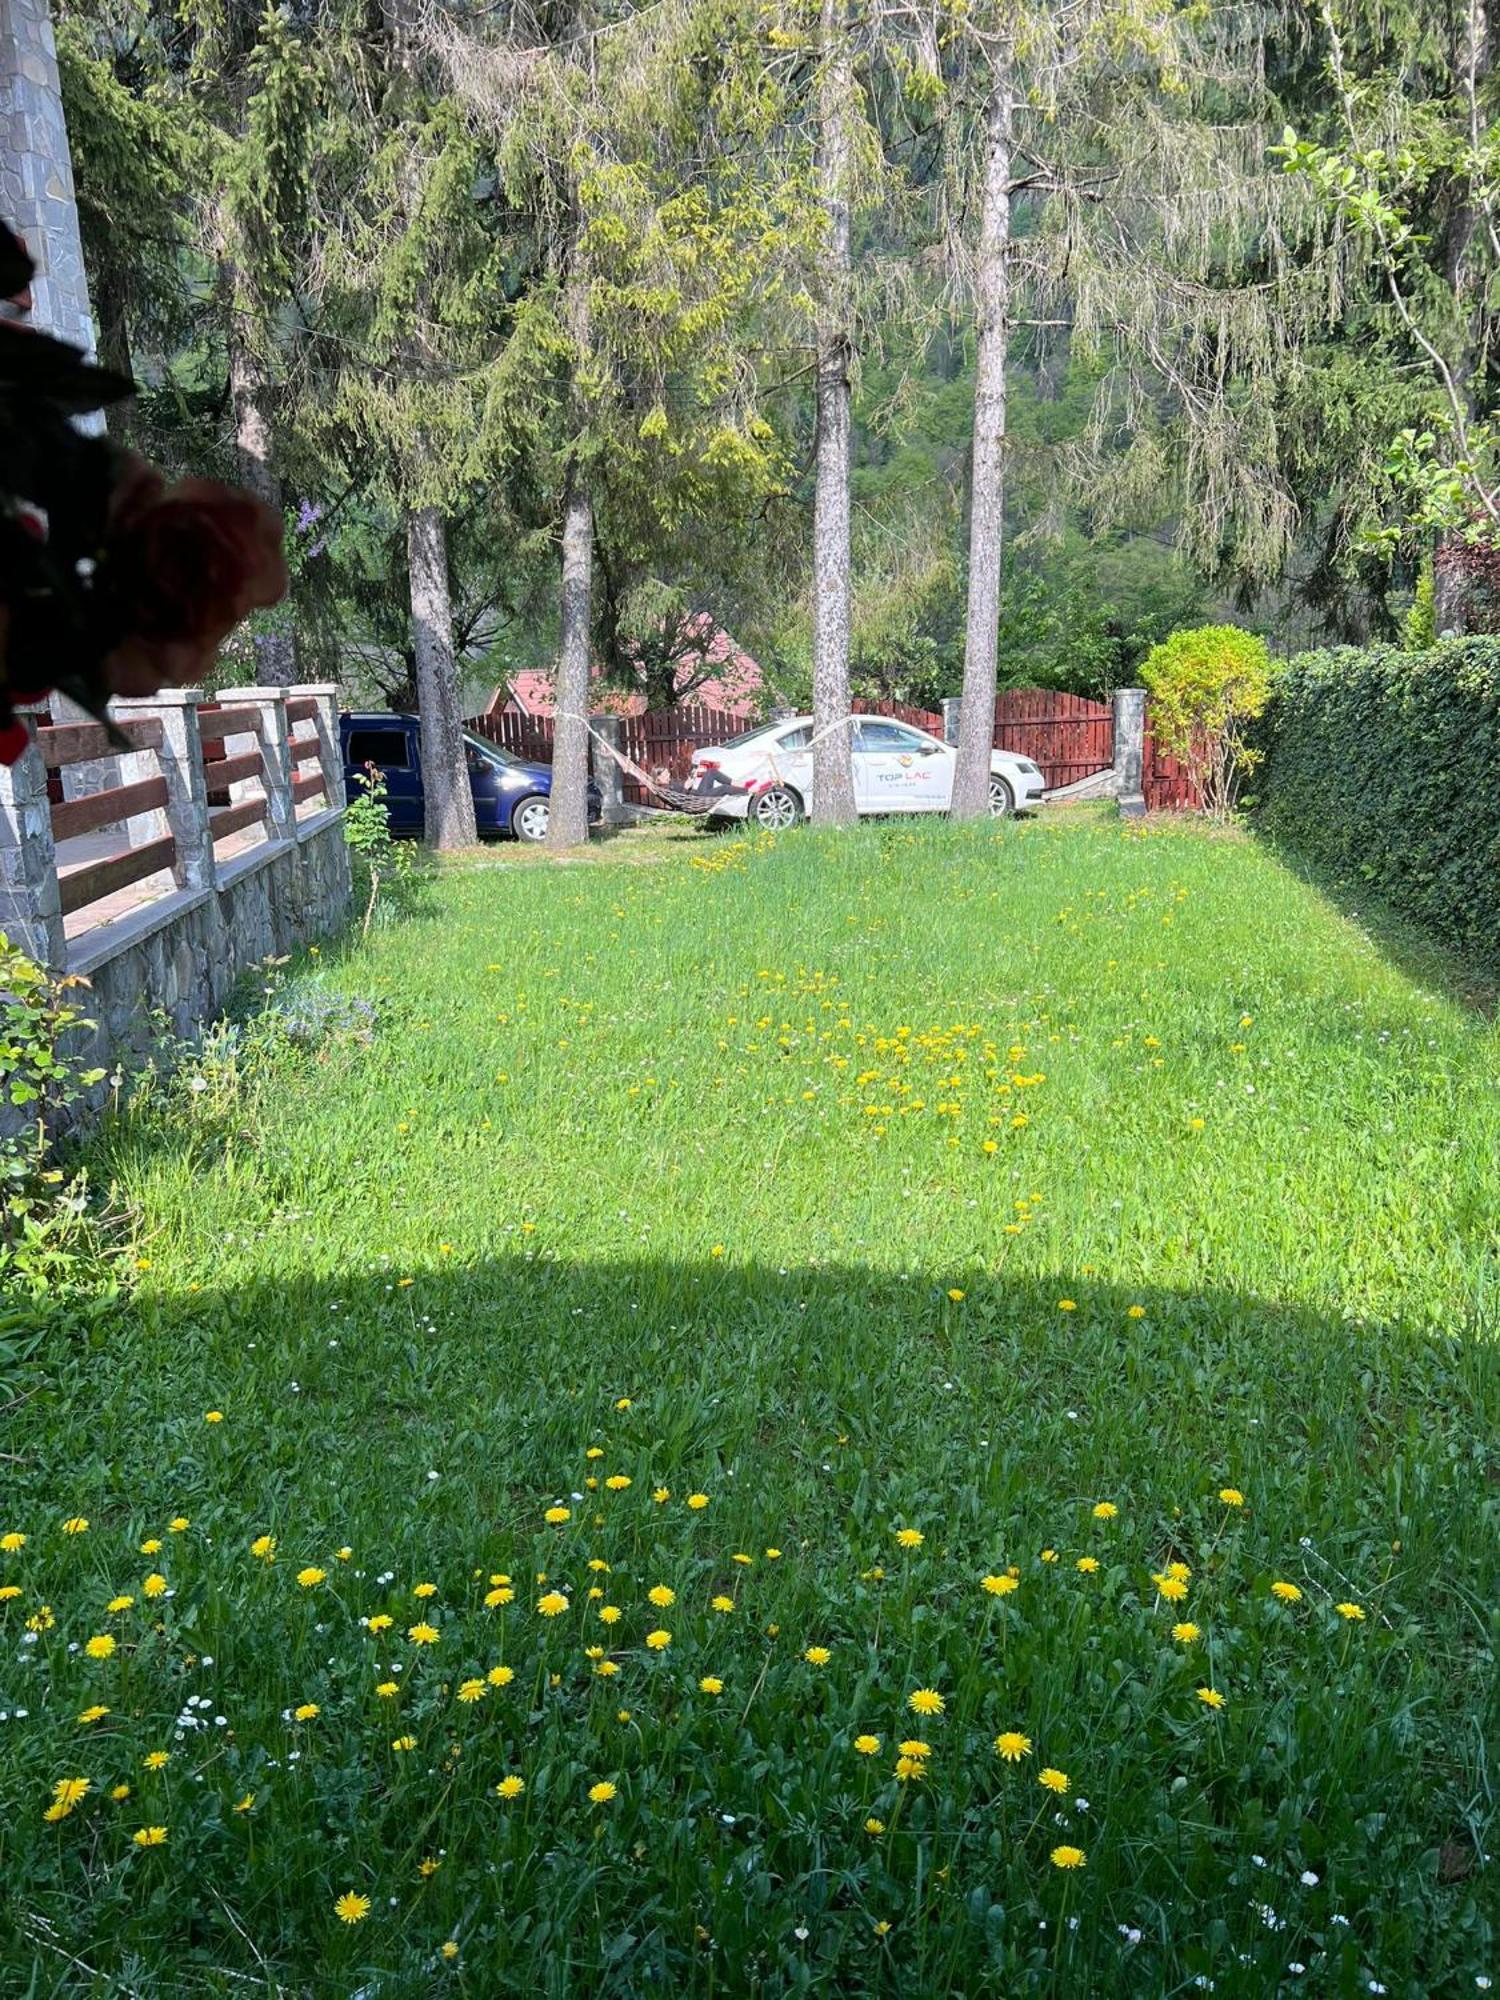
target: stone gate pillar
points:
(36, 172)
(1130, 750)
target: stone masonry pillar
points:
(275, 754)
(180, 762)
(1130, 750)
(607, 773)
(36, 171)
(951, 706)
(30, 908)
(330, 737)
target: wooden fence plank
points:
(76, 816)
(305, 748)
(230, 819)
(302, 708)
(307, 784)
(221, 771)
(81, 742)
(228, 721)
(79, 886)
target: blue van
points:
(510, 795)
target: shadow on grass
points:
(1421, 958)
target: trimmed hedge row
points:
(1384, 767)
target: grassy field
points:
(911, 1412)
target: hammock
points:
(699, 804)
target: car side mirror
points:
(932, 749)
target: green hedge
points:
(1384, 767)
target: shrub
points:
(1205, 686)
(1384, 766)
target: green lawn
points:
(1016, 1191)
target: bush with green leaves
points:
(43, 1076)
(1206, 686)
(1384, 767)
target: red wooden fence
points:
(1069, 736)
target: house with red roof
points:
(734, 686)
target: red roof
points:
(732, 690)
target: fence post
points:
(275, 755)
(330, 739)
(607, 773)
(1129, 706)
(951, 706)
(30, 906)
(180, 760)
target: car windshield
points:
(745, 736)
(505, 760)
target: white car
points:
(896, 769)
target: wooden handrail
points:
(65, 743)
(307, 784)
(230, 819)
(75, 816)
(215, 723)
(221, 771)
(305, 748)
(117, 871)
(301, 709)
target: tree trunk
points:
(1466, 277)
(568, 823)
(275, 651)
(832, 768)
(449, 801)
(976, 720)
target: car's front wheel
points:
(776, 809)
(528, 820)
(1002, 799)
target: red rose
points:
(187, 564)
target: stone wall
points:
(175, 962)
(36, 171)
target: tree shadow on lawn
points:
(836, 1395)
(428, 1416)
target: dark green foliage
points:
(1385, 767)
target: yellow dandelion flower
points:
(152, 1545)
(555, 1516)
(500, 1677)
(470, 1691)
(381, 1621)
(424, 1590)
(874, 1826)
(422, 1634)
(245, 1804)
(1186, 1633)
(617, 1482)
(1088, 1565)
(351, 1909)
(1105, 1510)
(55, 1812)
(403, 1743)
(609, 1614)
(1287, 1592)
(1135, 1312)
(95, 1713)
(310, 1577)
(150, 1836)
(76, 1525)
(1210, 1697)
(511, 1787)
(498, 1596)
(178, 1525)
(660, 1594)
(956, 1295)
(1012, 1745)
(697, 1501)
(1053, 1779)
(867, 1746)
(12, 1542)
(213, 1416)
(157, 1760)
(154, 1585)
(1000, 1586)
(603, 1792)
(915, 1748)
(711, 1684)
(659, 1640)
(661, 1494)
(1172, 1588)
(307, 1711)
(1067, 1305)
(119, 1793)
(553, 1605)
(69, 1792)
(925, 1701)
(1180, 1570)
(817, 1656)
(1067, 1857)
(1231, 1496)
(607, 1669)
(119, 1604)
(101, 1646)
(910, 1538)
(1049, 1555)
(722, 1604)
(387, 1690)
(1353, 1612)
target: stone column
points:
(951, 706)
(180, 762)
(1130, 750)
(275, 755)
(30, 908)
(330, 737)
(607, 773)
(36, 171)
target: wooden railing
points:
(194, 777)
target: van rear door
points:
(391, 745)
